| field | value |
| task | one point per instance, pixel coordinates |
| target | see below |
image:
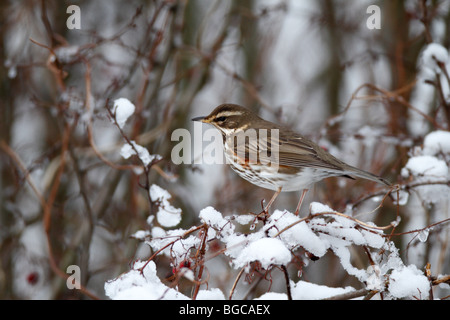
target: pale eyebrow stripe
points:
(228, 113)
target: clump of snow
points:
(167, 215)
(375, 279)
(210, 294)
(135, 285)
(409, 282)
(401, 197)
(129, 150)
(425, 166)
(436, 142)
(141, 235)
(344, 255)
(175, 242)
(317, 207)
(244, 219)
(428, 163)
(373, 238)
(299, 234)
(303, 290)
(122, 110)
(433, 52)
(273, 296)
(427, 171)
(67, 54)
(267, 251)
(215, 219)
(146, 285)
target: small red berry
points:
(185, 264)
(33, 278)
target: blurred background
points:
(315, 66)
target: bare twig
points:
(288, 282)
(352, 295)
(241, 272)
(199, 258)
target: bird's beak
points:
(198, 119)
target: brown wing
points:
(289, 149)
(283, 147)
(297, 151)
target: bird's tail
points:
(367, 175)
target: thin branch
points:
(288, 282)
(199, 258)
(241, 272)
(16, 159)
(387, 95)
(352, 294)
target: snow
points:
(135, 285)
(129, 150)
(167, 215)
(344, 255)
(213, 218)
(401, 198)
(428, 166)
(404, 281)
(303, 290)
(141, 234)
(374, 280)
(317, 207)
(409, 282)
(244, 218)
(175, 244)
(67, 54)
(373, 239)
(122, 110)
(436, 142)
(210, 294)
(267, 251)
(159, 194)
(299, 234)
(272, 245)
(272, 296)
(433, 52)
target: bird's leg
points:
(300, 201)
(275, 195)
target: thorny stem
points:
(199, 256)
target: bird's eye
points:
(220, 119)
